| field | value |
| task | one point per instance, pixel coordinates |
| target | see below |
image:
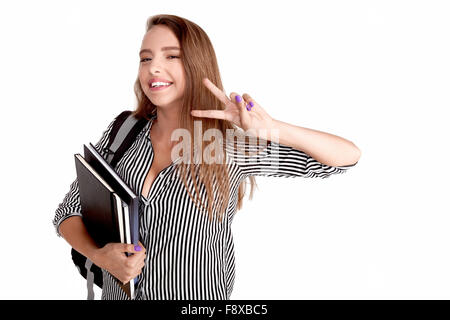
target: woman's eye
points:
(143, 60)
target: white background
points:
(374, 72)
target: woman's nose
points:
(155, 66)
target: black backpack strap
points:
(119, 120)
(124, 132)
(117, 124)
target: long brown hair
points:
(199, 61)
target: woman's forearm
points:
(75, 233)
(326, 148)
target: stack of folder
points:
(110, 208)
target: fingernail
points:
(137, 248)
(238, 98)
(252, 104)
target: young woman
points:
(186, 206)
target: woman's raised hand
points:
(245, 113)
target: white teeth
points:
(158, 84)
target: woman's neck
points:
(163, 126)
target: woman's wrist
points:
(96, 257)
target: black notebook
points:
(105, 214)
(124, 191)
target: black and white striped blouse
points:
(188, 256)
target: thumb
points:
(131, 248)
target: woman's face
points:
(160, 62)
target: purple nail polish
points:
(252, 104)
(137, 248)
(238, 98)
(248, 108)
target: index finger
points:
(216, 91)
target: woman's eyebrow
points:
(162, 49)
